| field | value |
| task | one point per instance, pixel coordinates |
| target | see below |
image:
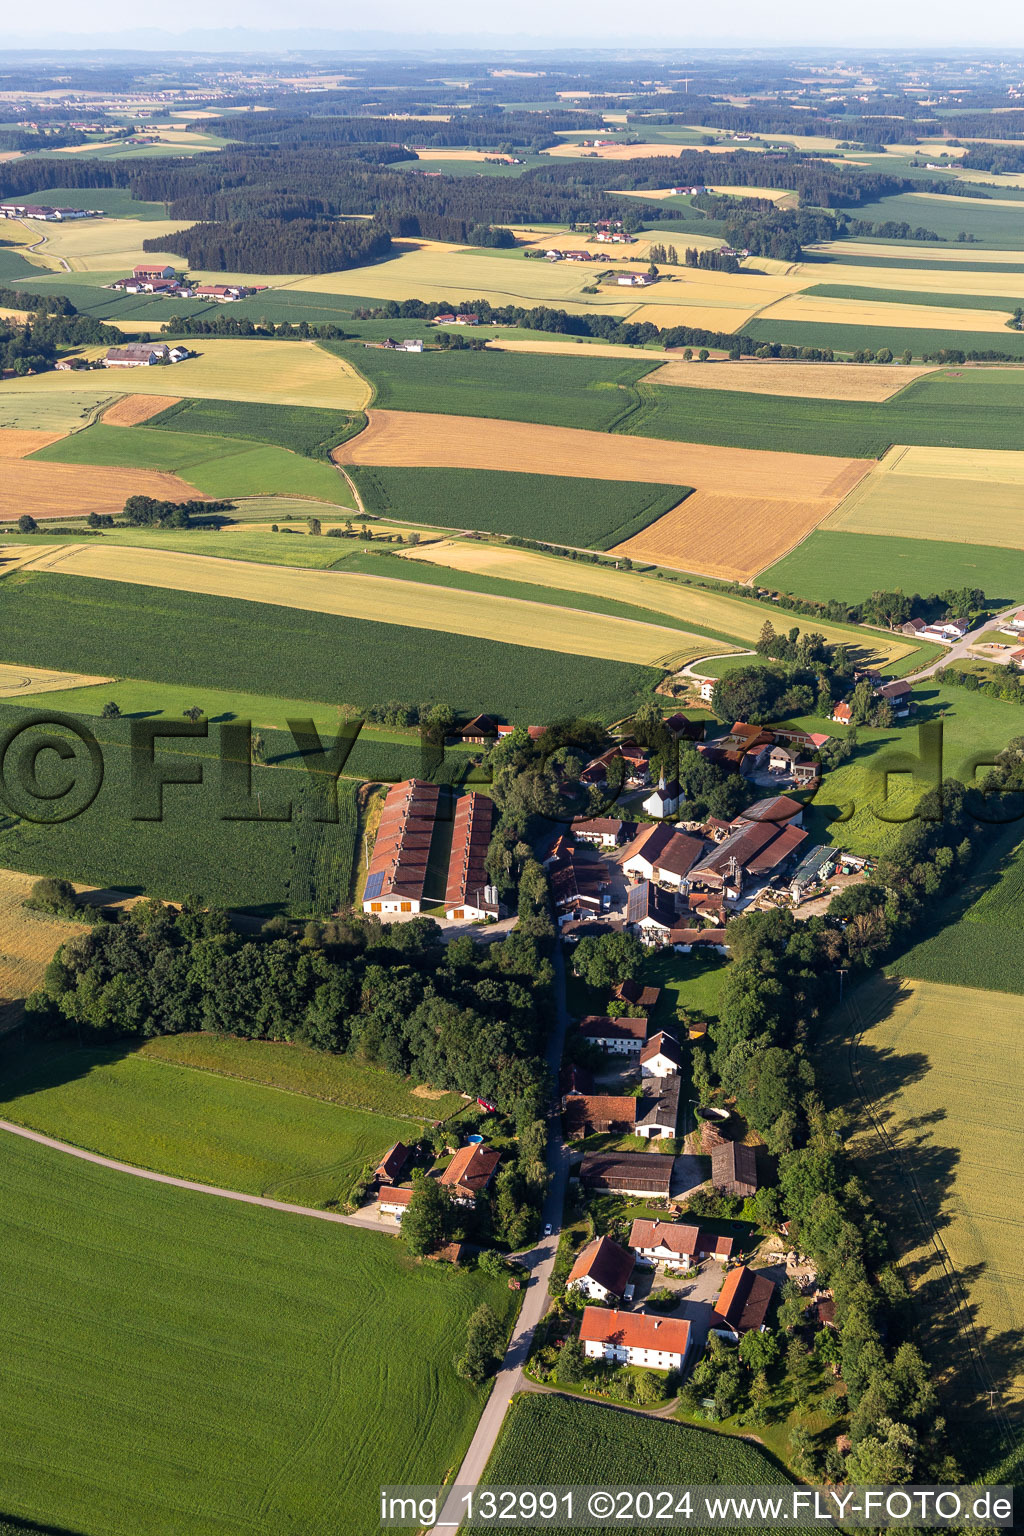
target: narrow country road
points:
(962, 647)
(540, 1261)
(370, 1222)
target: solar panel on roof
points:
(636, 903)
(374, 885)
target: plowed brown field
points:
(74, 490)
(132, 409)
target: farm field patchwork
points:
(253, 1354)
(591, 514)
(896, 310)
(372, 598)
(972, 495)
(301, 429)
(236, 368)
(220, 467)
(28, 410)
(131, 410)
(207, 1126)
(990, 223)
(28, 942)
(191, 638)
(72, 489)
(729, 537)
(885, 331)
(950, 1099)
(850, 566)
(111, 245)
(716, 612)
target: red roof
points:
(398, 1196)
(679, 1237)
(744, 1300)
(662, 1045)
(605, 1263)
(635, 1330)
(599, 1027)
(393, 1161)
(472, 1167)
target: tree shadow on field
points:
(30, 1064)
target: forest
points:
(276, 245)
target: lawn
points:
(691, 984)
(298, 1069)
(550, 390)
(188, 638)
(220, 467)
(178, 1362)
(548, 1439)
(590, 514)
(941, 1067)
(850, 566)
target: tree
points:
(791, 1308)
(799, 1367)
(703, 355)
(759, 1351)
(612, 958)
(313, 524)
(195, 713)
(647, 1388)
(572, 1361)
(257, 748)
(425, 1225)
(802, 1456)
(110, 711)
(484, 1339)
(27, 524)
(493, 1263)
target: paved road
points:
(539, 1260)
(373, 1222)
(962, 647)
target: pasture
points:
(219, 467)
(298, 1069)
(972, 495)
(233, 368)
(356, 595)
(850, 566)
(301, 429)
(592, 514)
(57, 412)
(715, 613)
(216, 1129)
(239, 1344)
(941, 1066)
(991, 223)
(190, 638)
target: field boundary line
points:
(959, 1302)
(176, 1183)
(188, 1066)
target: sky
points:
(918, 24)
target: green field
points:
(590, 514)
(149, 1111)
(960, 263)
(992, 226)
(550, 1439)
(115, 202)
(221, 467)
(301, 429)
(944, 300)
(850, 566)
(242, 1346)
(973, 725)
(553, 391)
(298, 1069)
(114, 629)
(855, 338)
(302, 866)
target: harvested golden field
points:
(942, 1067)
(924, 253)
(615, 151)
(272, 372)
(963, 495)
(75, 490)
(696, 313)
(28, 942)
(17, 682)
(731, 537)
(810, 309)
(690, 605)
(981, 281)
(420, 439)
(103, 245)
(777, 195)
(132, 409)
(19, 442)
(382, 599)
(805, 381)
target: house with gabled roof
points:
(661, 1057)
(389, 1169)
(734, 1169)
(742, 1304)
(677, 1243)
(635, 1338)
(624, 1037)
(601, 1270)
(470, 1172)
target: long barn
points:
(628, 1173)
